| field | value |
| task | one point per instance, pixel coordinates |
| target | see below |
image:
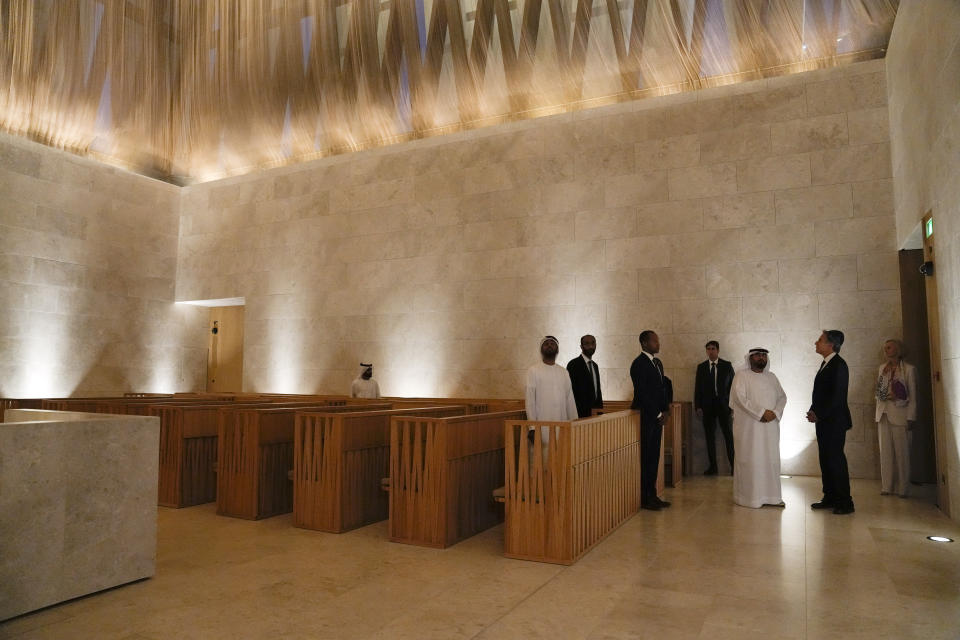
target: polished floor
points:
(702, 569)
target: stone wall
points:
(87, 278)
(755, 214)
(923, 72)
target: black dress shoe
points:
(823, 504)
(845, 509)
(650, 506)
(710, 472)
(663, 504)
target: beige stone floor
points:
(703, 569)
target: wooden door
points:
(936, 365)
(225, 352)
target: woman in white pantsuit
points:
(896, 394)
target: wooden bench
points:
(254, 454)
(188, 451)
(442, 474)
(473, 405)
(338, 464)
(18, 403)
(557, 509)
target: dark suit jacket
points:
(651, 390)
(703, 387)
(830, 394)
(582, 380)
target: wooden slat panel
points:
(564, 495)
(442, 474)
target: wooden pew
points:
(18, 403)
(188, 446)
(442, 474)
(254, 456)
(557, 509)
(473, 405)
(339, 462)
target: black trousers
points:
(833, 464)
(712, 415)
(650, 435)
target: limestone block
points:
(632, 319)
(851, 164)
(819, 275)
(643, 188)
(791, 312)
(672, 283)
(878, 271)
(572, 197)
(705, 247)
(777, 172)
(702, 181)
(868, 126)
(742, 279)
(814, 203)
(778, 242)
(860, 310)
(666, 218)
(873, 198)
(773, 105)
(78, 512)
(637, 253)
(597, 224)
(667, 153)
(855, 236)
(740, 143)
(690, 316)
(741, 210)
(807, 134)
(848, 93)
(593, 164)
(615, 287)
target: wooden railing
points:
(339, 462)
(473, 405)
(566, 492)
(442, 475)
(255, 455)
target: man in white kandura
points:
(549, 393)
(757, 400)
(364, 386)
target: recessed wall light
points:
(782, 476)
(939, 539)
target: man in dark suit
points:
(830, 412)
(711, 399)
(585, 378)
(651, 396)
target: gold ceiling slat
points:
(204, 88)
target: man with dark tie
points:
(830, 412)
(585, 378)
(651, 396)
(711, 399)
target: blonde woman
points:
(896, 394)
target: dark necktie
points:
(713, 374)
(822, 365)
(659, 366)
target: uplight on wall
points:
(939, 539)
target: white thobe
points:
(549, 398)
(365, 388)
(550, 394)
(756, 470)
